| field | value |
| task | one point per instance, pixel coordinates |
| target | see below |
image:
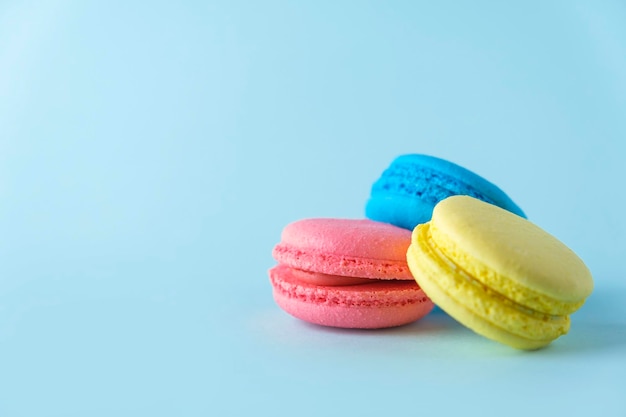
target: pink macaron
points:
(346, 273)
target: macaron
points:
(346, 273)
(408, 190)
(497, 273)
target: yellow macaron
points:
(497, 273)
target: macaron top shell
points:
(517, 250)
(473, 184)
(407, 191)
(347, 247)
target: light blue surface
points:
(151, 152)
(407, 191)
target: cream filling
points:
(317, 278)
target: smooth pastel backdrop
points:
(151, 152)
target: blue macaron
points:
(407, 192)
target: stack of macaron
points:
(435, 233)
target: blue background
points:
(151, 152)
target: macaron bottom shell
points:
(478, 324)
(476, 306)
(393, 209)
(381, 304)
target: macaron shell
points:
(473, 321)
(460, 178)
(399, 210)
(513, 247)
(357, 248)
(368, 306)
(408, 190)
(476, 306)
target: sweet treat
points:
(409, 189)
(497, 273)
(346, 273)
